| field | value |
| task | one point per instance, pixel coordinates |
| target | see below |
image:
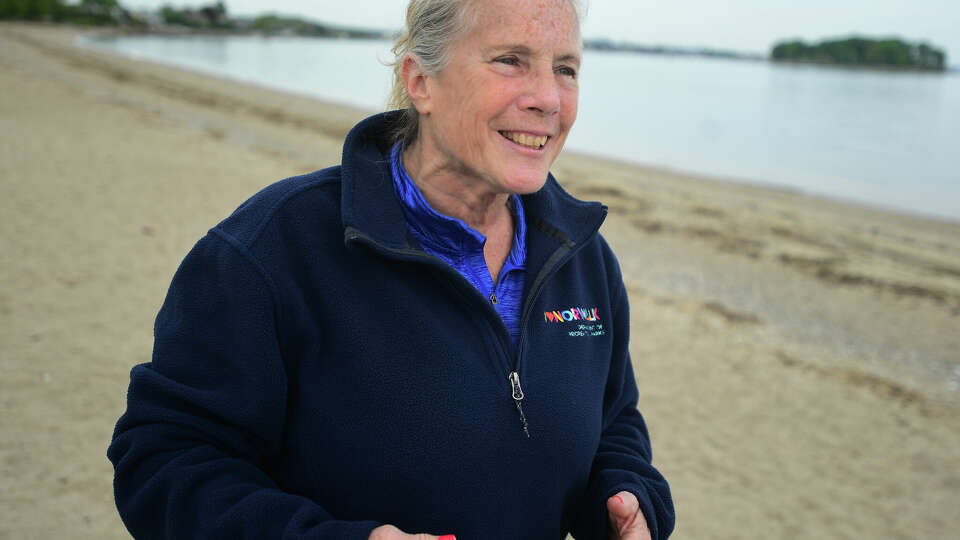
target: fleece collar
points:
(370, 205)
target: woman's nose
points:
(543, 93)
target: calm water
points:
(887, 139)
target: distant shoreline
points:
(742, 177)
(858, 67)
(594, 45)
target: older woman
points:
(430, 338)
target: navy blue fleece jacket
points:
(315, 374)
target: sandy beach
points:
(798, 358)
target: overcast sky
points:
(744, 25)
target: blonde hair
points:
(432, 26)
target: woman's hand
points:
(389, 532)
(626, 519)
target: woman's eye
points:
(509, 60)
(566, 70)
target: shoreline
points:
(758, 182)
(796, 357)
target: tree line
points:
(111, 12)
(858, 51)
(96, 12)
(208, 17)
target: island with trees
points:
(863, 52)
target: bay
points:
(887, 139)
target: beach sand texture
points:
(797, 358)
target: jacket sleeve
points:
(205, 413)
(623, 458)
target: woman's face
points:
(500, 112)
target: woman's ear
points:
(415, 82)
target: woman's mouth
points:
(530, 141)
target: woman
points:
(430, 338)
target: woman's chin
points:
(526, 184)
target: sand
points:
(797, 357)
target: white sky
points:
(743, 25)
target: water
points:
(342, 71)
(882, 138)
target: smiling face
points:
(497, 116)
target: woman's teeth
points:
(523, 139)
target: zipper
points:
(535, 289)
(559, 257)
(517, 398)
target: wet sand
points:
(797, 357)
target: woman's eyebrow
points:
(520, 48)
(574, 58)
(514, 48)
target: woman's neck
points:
(454, 193)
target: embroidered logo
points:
(586, 321)
(572, 314)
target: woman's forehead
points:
(526, 21)
(556, 12)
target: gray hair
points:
(432, 26)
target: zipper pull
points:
(517, 398)
(515, 385)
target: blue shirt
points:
(461, 246)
